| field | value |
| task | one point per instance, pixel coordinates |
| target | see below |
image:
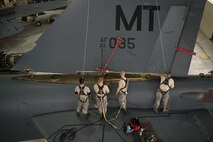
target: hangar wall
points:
(207, 20)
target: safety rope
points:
(85, 46)
(113, 119)
(161, 39)
(127, 84)
(103, 111)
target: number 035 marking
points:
(125, 43)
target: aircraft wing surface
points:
(42, 102)
(8, 23)
(25, 10)
(175, 126)
(9, 27)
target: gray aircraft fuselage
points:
(21, 100)
(85, 28)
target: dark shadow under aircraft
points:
(158, 36)
(9, 24)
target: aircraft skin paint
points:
(20, 100)
(137, 22)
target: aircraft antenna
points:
(161, 39)
(86, 37)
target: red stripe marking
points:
(186, 51)
(118, 41)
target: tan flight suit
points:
(122, 93)
(163, 92)
(101, 98)
(83, 99)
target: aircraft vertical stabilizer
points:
(164, 48)
(151, 31)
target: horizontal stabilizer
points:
(9, 27)
(26, 10)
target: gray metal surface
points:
(20, 100)
(65, 53)
(188, 38)
(174, 126)
(165, 46)
(24, 103)
(9, 27)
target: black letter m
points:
(120, 15)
